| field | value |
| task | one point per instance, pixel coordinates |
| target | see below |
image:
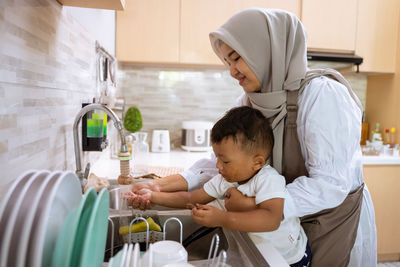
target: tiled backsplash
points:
(167, 96)
(47, 69)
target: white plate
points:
(10, 206)
(136, 256)
(61, 195)
(23, 223)
(4, 213)
(124, 255)
(129, 255)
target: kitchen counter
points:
(176, 159)
(381, 160)
(181, 159)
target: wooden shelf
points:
(98, 4)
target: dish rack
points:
(154, 236)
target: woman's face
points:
(240, 70)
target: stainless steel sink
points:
(239, 248)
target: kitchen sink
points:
(240, 250)
(197, 247)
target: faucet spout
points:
(117, 124)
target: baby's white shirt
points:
(289, 239)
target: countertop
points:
(381, 160)
(175, 160)
(181, 159)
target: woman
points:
(316, 119)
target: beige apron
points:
(332, 232)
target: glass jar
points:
(140, 145)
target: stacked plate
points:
(129, 256)
(83, 237)
(35, 211)
(31, 215)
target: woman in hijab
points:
(316, 120)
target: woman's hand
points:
(236, 201)
(208, 215)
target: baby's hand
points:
(129, 196)
(208, 215)
(140, 199)
(236, 201)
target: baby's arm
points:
(265, 218)
(177, 199)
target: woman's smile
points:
(241, 80)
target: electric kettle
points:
(160, 141)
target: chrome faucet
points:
(117, 123)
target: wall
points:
(47, 68)
(166, 96)
(99, 22)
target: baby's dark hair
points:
(248, 127)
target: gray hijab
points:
(273, 43)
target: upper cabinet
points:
(368, 28)
(293, 6)
(98, 4)
(176, 31)
(331, 25)
(377, 35)
(198, 19)
(148, 31)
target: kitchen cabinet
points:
(198, 19)
(377, 35)
(368, 28)
(195, 45)
(383, 182)
(176, 31)
(148, 31)
(330, 25)
(98, 4)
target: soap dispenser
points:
(94, 130)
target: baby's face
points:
(234, 164)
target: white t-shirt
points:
(289, 239)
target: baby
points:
(242, 142)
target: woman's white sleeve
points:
(200, 172)
(329, 129)
(204, 169)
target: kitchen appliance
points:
(196, 135)
(160, 141)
